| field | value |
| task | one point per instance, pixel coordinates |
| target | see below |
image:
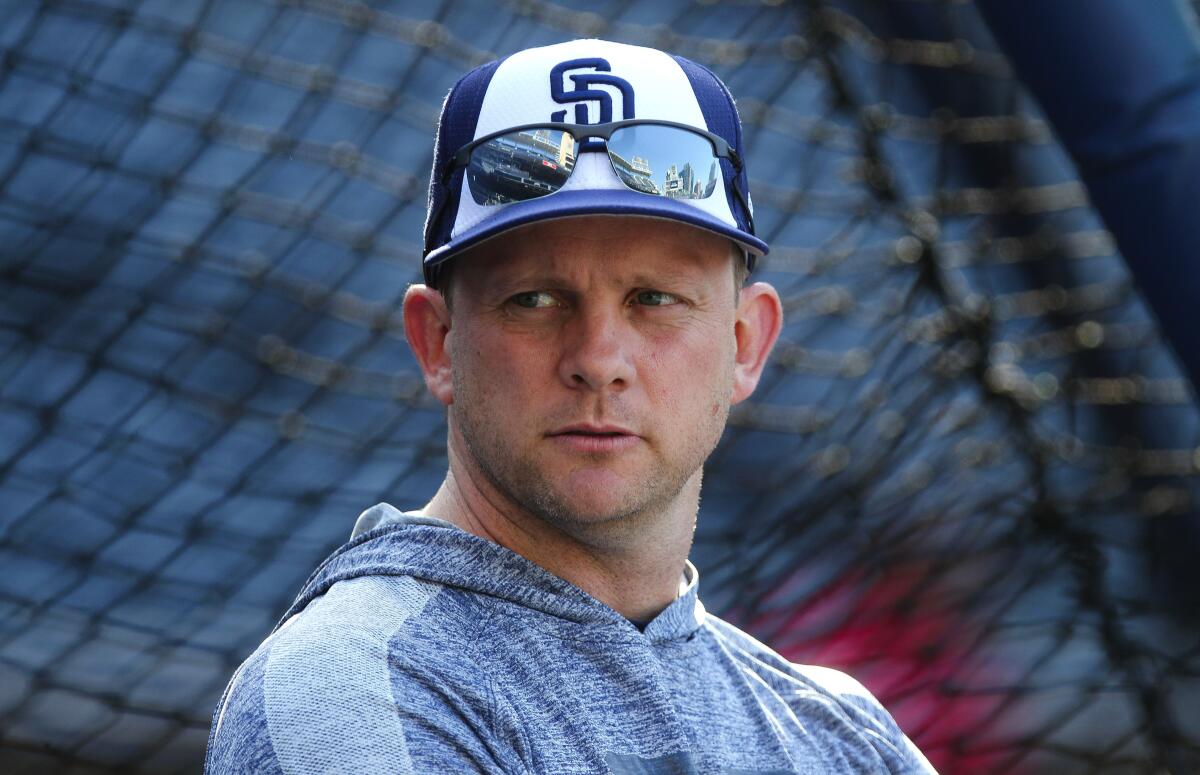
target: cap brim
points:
(564, 204)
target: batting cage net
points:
(968, 478)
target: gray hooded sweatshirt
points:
(420, 648)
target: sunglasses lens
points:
(664, 160)
(520, 165)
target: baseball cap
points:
(585, 82)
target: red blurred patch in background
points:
(902, 636)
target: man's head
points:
(589, 363)
(599, 330)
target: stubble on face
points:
(520, 479)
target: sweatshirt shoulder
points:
(811, 691)
(757, 656)
(334, 675)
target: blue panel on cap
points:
(456, 128)
(720, 114)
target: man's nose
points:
(598, 350)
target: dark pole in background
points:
(1119, 80)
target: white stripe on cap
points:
(519, 93)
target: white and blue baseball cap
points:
(514, 135)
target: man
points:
(584, 323)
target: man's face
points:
(592, 363)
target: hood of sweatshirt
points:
(389, 542)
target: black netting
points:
(969, 476)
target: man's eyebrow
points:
(667, 278)
(531, 280)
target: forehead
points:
(615, 247)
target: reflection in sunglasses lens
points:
(664, 160)
(521, 165)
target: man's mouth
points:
(592, 430)
(595, 438)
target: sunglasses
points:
(658, 158)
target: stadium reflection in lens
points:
(521, 165)
(664, 160)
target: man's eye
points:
(656, 298)
(533, 299)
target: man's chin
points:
(566, 512)
(593, 495)
(593, 502)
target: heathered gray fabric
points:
(419, 648)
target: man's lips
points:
(584, 437)
(587, 429)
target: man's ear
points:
(427, 326)
(759, 321)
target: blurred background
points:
(969, 476)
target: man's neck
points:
(633, 565)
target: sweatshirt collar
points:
(387, 541)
